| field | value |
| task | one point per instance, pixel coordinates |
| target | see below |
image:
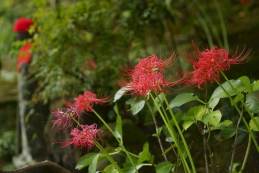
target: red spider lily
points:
(152, 63)
(209, 63)
(63, 117)
(87, 100)
(83, 138)
(147, 75)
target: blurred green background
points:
(114, 33)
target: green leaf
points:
(213, 103)
(183, 98)
(136, 105)
(144, 155)
(252, 102)
(159, 101)
(167, 134)
(212, 118)
(128, 168)
(187, 124)
(220, 93)
(85, 160)
(238, 98)
(178, 117)
(110, 169)
(246, 81)
(120, 93)
(195, 113)
(228, 131)
(164, 167)
(93, 164)
(253, 125)
(158, 133)
(235, 165)
(168, 149)
(222, 125)
(130, 101)
(255, 85)
(118, 127)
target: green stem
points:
(173, 135)
(235, 141)
(108, 156)
(102, 149)
(75, 120)
(158, 136)
(243, 119)
(124, 149)
(246, 155)
(243, 103)
(181, 134)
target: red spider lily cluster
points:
(147, 76)
(208, 64)
(66, 117)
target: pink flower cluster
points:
(208, 64)
(66, 117)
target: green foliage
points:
(7, 144)
(86, 160)
(220, 93)
(252, 102)
(252, 124)
(164, 167)
(118, 127)
(137, 104)
(93, 164)
(212, 118)
(120, 93)
(144, 155)
(110, 169)
(74, 36)
(108, 33)
(183, 98)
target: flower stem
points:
(75, 120)
(247, 126)
(235, 141)
(107, 156)
(181, 134)
(123, 148)
(158, 136)
(102, 149)
(246, 155)
(243, 103)
(205, 148)
(173, 135)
